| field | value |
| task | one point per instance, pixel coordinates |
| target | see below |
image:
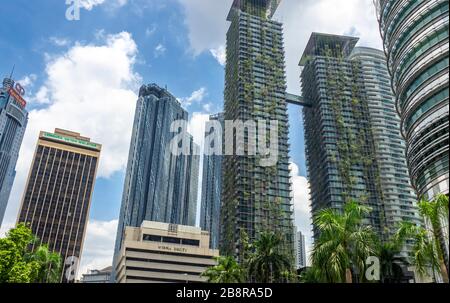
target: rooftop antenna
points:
(12, 71)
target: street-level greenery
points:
(339, 254)
(19, 264)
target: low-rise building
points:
(97, 276)
(164, 253)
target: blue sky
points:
(84, 76)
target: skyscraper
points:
(399, 198)
(340, 147)
(300, 250)
(254, 197)
(58, 192)
(13, 121)
(159, 186)
(211, 190)
(415, 36)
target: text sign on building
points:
(73, 141)
(17, 97)
(175, 249)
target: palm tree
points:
(268, 263)
(49, 264)
(227, 270)
(425, 252)
(344, 243)
(435, 214)
(390, 261)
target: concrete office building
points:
(164, 253)
(254, 197)
(58, 192)
(416, 40)
(212, 189)
(13, 121)
(159, 185)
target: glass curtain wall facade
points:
(159, 186)
(399, 198)
(415, 36)
(13, 122)
(340, 147)
(211, 191)
(255, 198)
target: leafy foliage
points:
(226, 271)
(344, 243)
(18, 264)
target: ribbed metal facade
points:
(255, 198)
(416, 36)
(159, 186)
(399, 197)
(211, 191)
(13, 121)
(58, 192)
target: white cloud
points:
(89, 89)
(28, 81)
(207, 25)
(219, 54)
(149, 31)
(302, 209)
(60, 41)
(196, 97)
(160, 50)
(90, 4)
(98, 247)
(206, 21)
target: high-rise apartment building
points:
(255, 197)
(340, 147)
(159, 252)
(300, 250)
(212, 188)
(58, 192)
(159, 185)
(416, 40)
(399, 198)
(13, 121)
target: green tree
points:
(435, 215)
(18, 264)
(391, 261)
(227, 270)
(268, 263)
(344, 243)
(49, 264)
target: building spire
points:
(12, 71)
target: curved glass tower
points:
(415, 36)
(13, 122)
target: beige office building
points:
(58, 193)
(164, 253)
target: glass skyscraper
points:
(255, 198)
(13, 121)
(159, 185)
(340, 147)
(415, 36)
(211, 190)
(399, 198)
